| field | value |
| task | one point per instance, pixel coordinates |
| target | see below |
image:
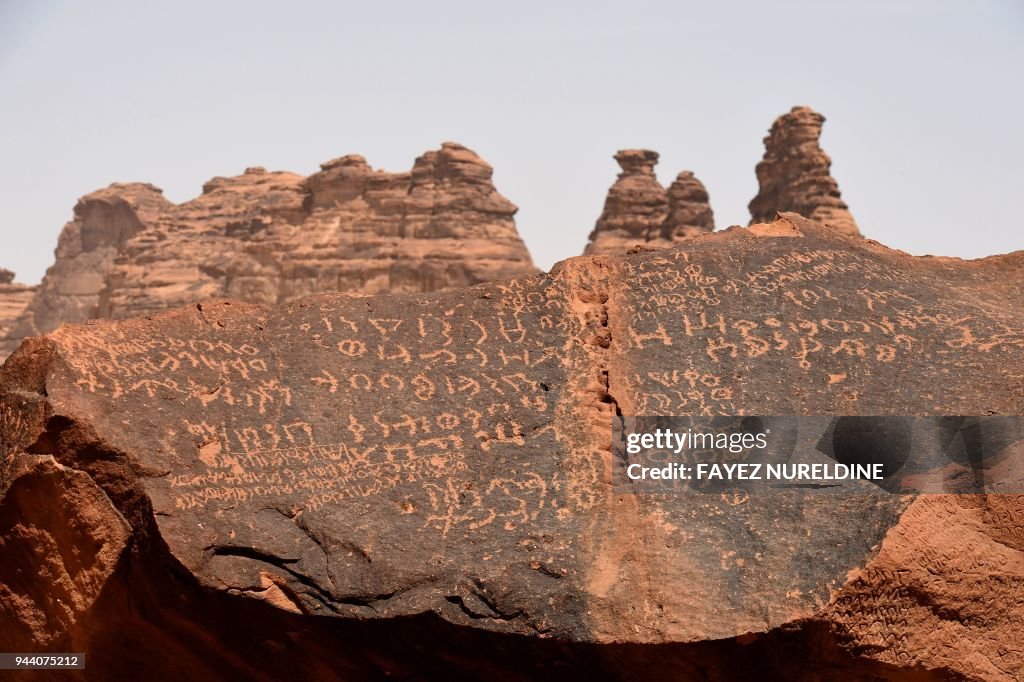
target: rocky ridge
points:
(270, 237)
(423, 484)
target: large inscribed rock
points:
(328, 476)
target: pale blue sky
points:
(924, 101)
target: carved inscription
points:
(194, 370)
(413, 406)
(789, 312)
(302, 470)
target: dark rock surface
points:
(422, 485)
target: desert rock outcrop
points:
(794, 174)
(326, 476)
(103, 222)
(689, 209)
(271, 237)
(639, 211)
(14, 298)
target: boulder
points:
(348, 487)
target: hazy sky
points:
(924, 100)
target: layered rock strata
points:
(103, 222)
(795, 174)
(640, 211)
(422, 485)
(271, 237)
(689, 209)
(14, 298)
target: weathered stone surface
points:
(794, 174)
(446, 457)
(14, 298)
(635, 208)
(639, 211)
(689, 210)
(212, 245)
(103, 222)
(271, 237)
(61, 540)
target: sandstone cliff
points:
(103, 221)
(639, 211)
(14, 298)
(270, 237)
(421, 485)
(273, 237)
(794, 174)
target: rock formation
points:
(271, 237)
(103, 221)
(14, 298)
(635, 208)
(639, 211)
(421, 485)
(794, 174)
(689, 209)
(214, 245)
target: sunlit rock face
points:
(395, 484)
(14, 298)
(640, 212)
(270, 237)
(794, 174)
